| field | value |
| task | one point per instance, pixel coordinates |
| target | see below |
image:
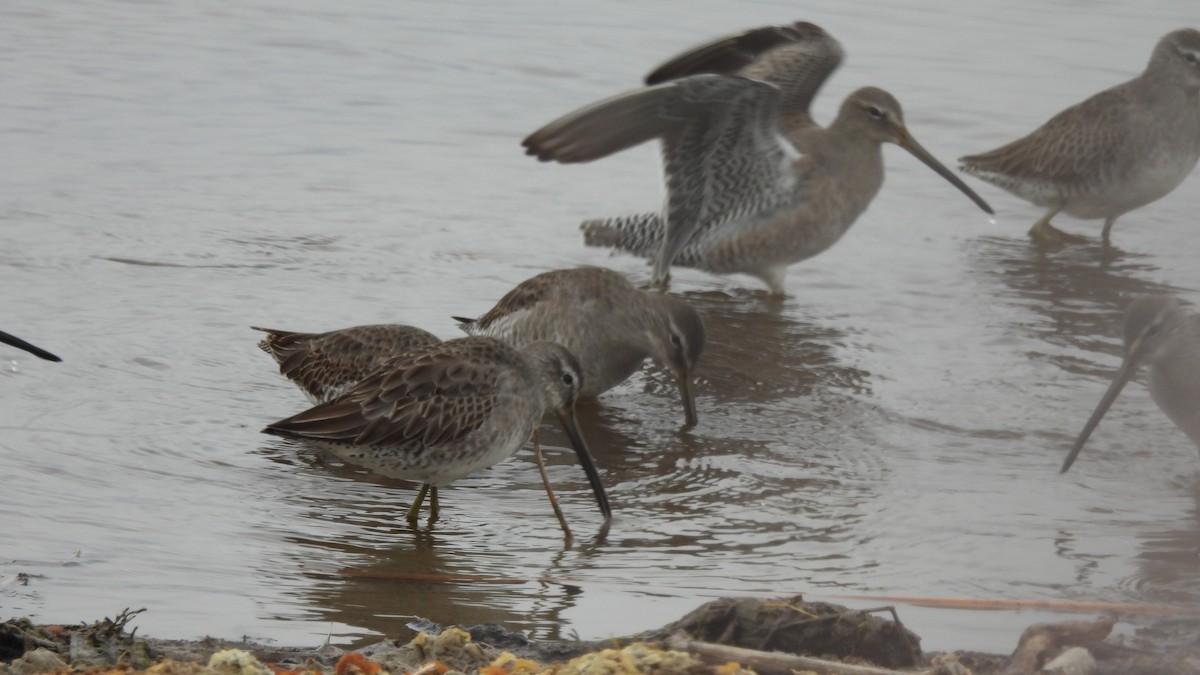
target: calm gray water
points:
(175, 173)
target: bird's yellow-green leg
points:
(541, 464)
(1043, 231)
(415, 509)
(433, 504)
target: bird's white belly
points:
(1157, 177)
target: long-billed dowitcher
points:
(327, 365)
(753, 184)
(607, 323)
(1117, 151)
(445, 412)
(17, 342)
(1159, 333)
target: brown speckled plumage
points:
(326, 365)
(1117, 151)
(444, 412)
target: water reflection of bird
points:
(753, 184)
(445, 412)
(607, 323)
(327, 365)
(1117, 151)
(1159, 333)
(17, 342)
(452, 576)
(1075, 293)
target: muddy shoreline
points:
(731, 635)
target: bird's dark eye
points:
(1190, 58)
(874, 112)
(568, 379)
(676, 340)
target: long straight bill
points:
(569, 425)
(684, 379)
(913, 147)
(17, 342)
(1124, 374)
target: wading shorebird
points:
(17, 342)
(607, 323)
(1158, 332)
(327, 365)
(455, 408)
(1115, 152)
(753, 184)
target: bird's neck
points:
(840, 148)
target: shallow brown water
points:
(895, 426)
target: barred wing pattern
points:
(725, 161)
(797, 58)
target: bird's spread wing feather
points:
(797, 58)
(724, 158)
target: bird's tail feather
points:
(641, 234)
(468, 326)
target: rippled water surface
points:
(176, 173)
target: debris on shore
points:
(731, 636)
